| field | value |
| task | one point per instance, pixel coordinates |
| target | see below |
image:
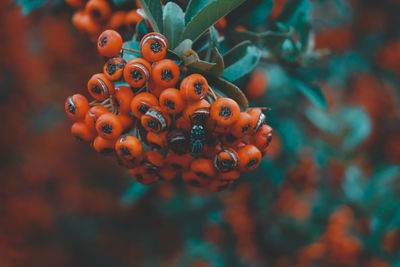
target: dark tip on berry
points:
(103, 40)
(198, 87)
(252, 162)
(226, 164)
(96, 13)
(201, 174)
(225, 112)
(96, 89)
(78, 138)
(107, 150)
(166, 75)
(153, 124)
(136, 75)
(120, 65)
(125, 151)
(155, 46)
(246, 128)
(194, 183)
(143, 109)
(139, 177)
(222, 187)
(71, 108)
(111, 68)
(106, 128)
(231, 138)
(170, 104)
(176, 166)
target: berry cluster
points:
(93, 16)
(157, 130)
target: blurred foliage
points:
(326, 194)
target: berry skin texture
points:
(100, 87)
(76, 107)
(171, 101)
(154, 46)
(109, 126)
(194, 107)
(165, 73)
(141, 103)
(93, 114)
(191, 179)
(179, 162)
(249, 158)
(194, 87)
(129, 148)
(123, 97)
(85, 23)
(157, 140)
(109, 43)
(82, 132)
(203, 168)
(103, 146)
(225, 111)
(114, 68)
(243, 126)
(137, 72)
(262, 138)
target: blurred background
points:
(326, 194)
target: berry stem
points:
(131, 50)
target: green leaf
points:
(288, 10)
(311, 90)
(240, 60)
(251, 13)
(230, 90)
(193, 8)
(153, 10)
(201, 66)
(142, 29)
(173, 18)
(208, 16)
(271, 39)
(27, 6)
(219, 67)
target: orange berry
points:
(178, 162)
(171, 101)
(109, 43)
(249, 158)
(165, 73)
(194, 87)
(114, 68)
(262, 138)
(85, 23)
(154, 88)
(225, 111)
(76, 107)
(168, 174)
(100, 87)
(226, 160)
(103, 146)
(98, 9)
(93, 114)
(154, 46)
(137, 72)
(129, 148)
(109, 126)
(257, 85)
(243, 126)
(75, 3)
(141, 103)
(157, 140)
(183, 123)
(192, 179)
(198, 107)
(123, 97)
(155, 120)
(82, 132)
(203, 167)
(178, 140)
(231, 175)
(126, 121)
(258, 119)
